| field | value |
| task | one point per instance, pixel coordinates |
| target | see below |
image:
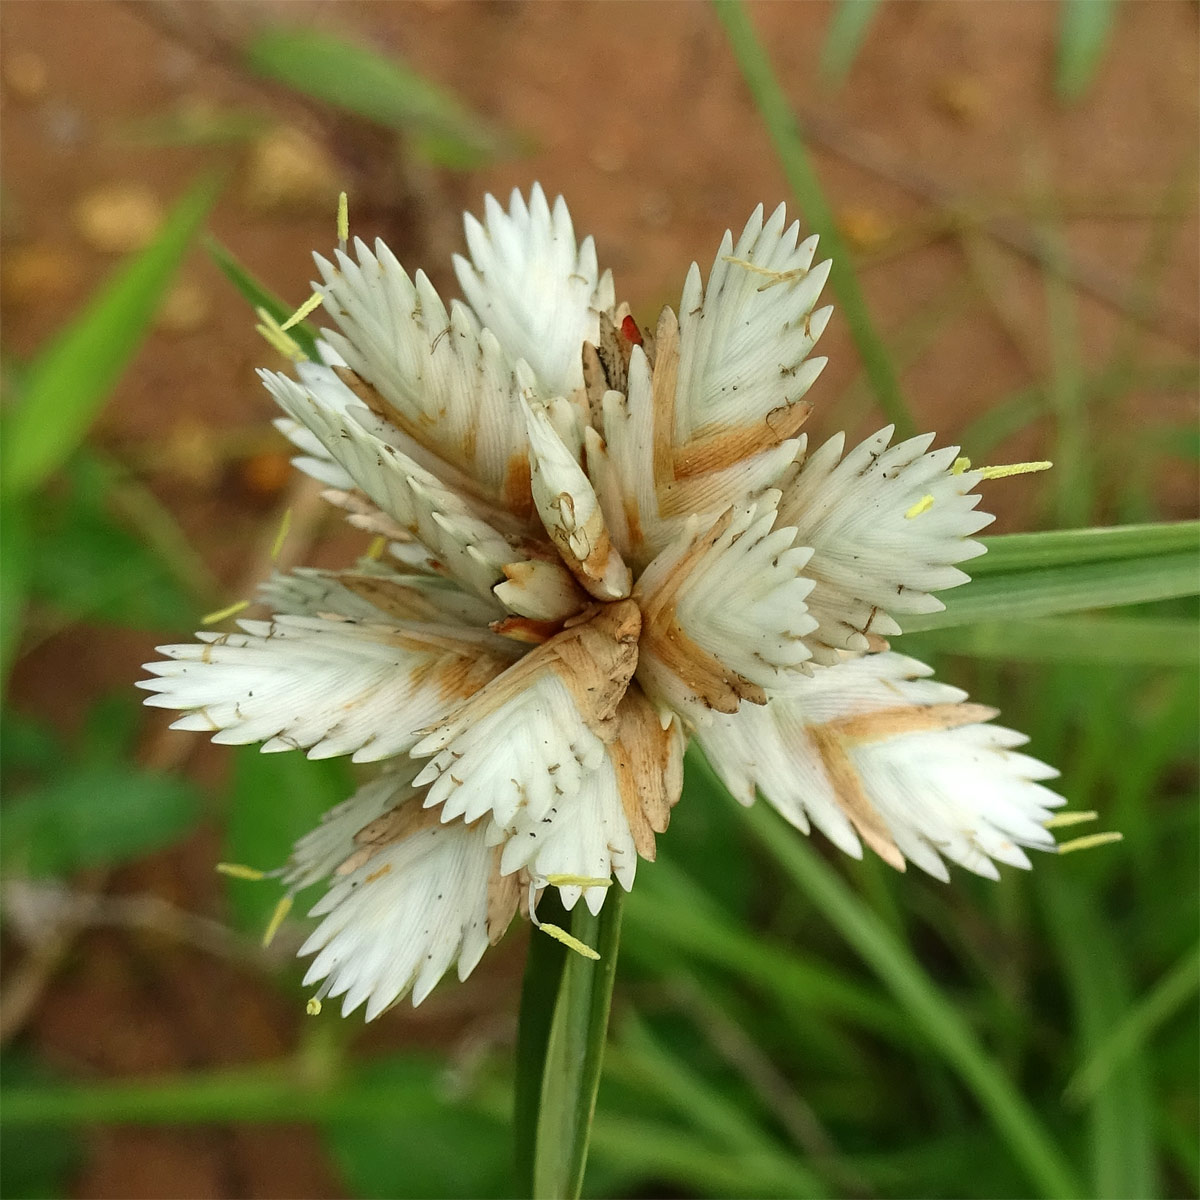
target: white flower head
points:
(601, 539)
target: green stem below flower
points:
(562, 1030)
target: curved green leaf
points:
(68, 382)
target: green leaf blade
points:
(847, 30)
(563, 1030)
(780, 122)
(259, 296)
(379, 89)
(1084, 31)
(70, 379)
(95, 816)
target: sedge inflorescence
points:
(601, 540)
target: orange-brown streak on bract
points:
(397, 600)
(458, 668)
(597, 660)
(396, 825)
(503, 897)
(724, 450)
(518, 489)
(894, 722)
(649, 766)
(664, 382)
(594, 659)
(455, 465)
(662, 638)
(715, 684)
(526, 629)
(851, 796)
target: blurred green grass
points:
(784, 1025)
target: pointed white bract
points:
(594, 539)
(886, 524)
(744, 339)
(319, 853)
(584, 834)
(403, 918)
(439, 378)
(326, 686)
(570, 512)
(470, 550)
(724, 614)
(373, 593)
(872, 749)
(534, 288)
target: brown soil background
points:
(640, 117)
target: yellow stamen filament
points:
(923, 505)
(240, 871)
(1062, 819)
(284, 525)
(577, 881)
(1010, 469)
(214, 618)
(1092, 839)
(572, 943)
(309, 306)
(343, 221)
(773, 277)
(277, 918)
(313, 1007)
(270, 331)
(960, 465)
(376, 548)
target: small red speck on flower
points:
(631, 331)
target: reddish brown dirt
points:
(640, 117)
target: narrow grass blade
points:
(642, 1060)
(544, 968)
(1137, 1026)
(1073, 482)
(1141, 641)
(936, 1017)
(786, 137)
(704, 933)
(1122, 1145)
(356, 79)
(665, 1153)
(561, 1047)
(847, 28)
(68, 382)
(1026, 595)
(1084, 30)
(1071, 547)
(258, 296)
(14, 579)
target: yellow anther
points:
(272, 333)
(1092, 839)
(284, 525)
(376, 548)
(577, 881)
(1062, 819)
(960, 465)
(313, 1007)
(923, 505)
(214, 618)
(1009, 469)
(240, 871)
(572, 943)
(277, 918)
(343, 221)
(309, 306)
